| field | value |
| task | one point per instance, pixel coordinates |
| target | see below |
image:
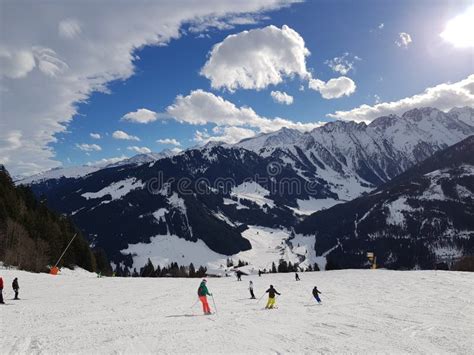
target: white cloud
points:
(443, 97)
(201, 107)
(334, 88)
(95, 135)
(212, 22)
(404, 40)
(170, 141)
(16, 64)
(342, 64)
(381, 26)
(141, 115)
(229, 135)
(89, 147)
(124, 136)
(140, 150)
(459, 31)
(92, 46)
(257, 58)
(69, 28)
(281, 97)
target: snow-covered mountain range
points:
(421, 218)
(211, 194)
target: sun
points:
(460, 30)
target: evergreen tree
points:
(192, 270)
(274, 269)
(148, 270)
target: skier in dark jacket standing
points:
(316, 294)
(271, 297)
(1, 291)
(297, 277)
(15, 288)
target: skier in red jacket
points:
(1, 291)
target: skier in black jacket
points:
(316, 294)
(271, 297)
(15, 287)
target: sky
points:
(90, 82)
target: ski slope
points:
(363, 311)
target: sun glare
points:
(460, 30)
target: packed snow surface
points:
(363, 311)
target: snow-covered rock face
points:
(369, 155)
(420, 218)
(328, 166)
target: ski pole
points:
(261, 297)
(214, 302)
(194, 303)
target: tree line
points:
(172, 270)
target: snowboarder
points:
(316, 294)
(15, 287)
(271, 297)
(203, 292)
(252, 296)
(1, 291)
(297, 277)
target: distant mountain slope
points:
(213, 192)
(420, 218)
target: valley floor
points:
(363, 311)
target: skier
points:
(252, 296)
(15, 287)
(316, 293)
(203, 292)
(259, 273)
(239, 275)
(271, 297)
(297, 277)
(1, 291)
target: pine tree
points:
(274, 269)
(192, 270)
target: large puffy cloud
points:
(201, 107)
(333, 88)
(257, 58)
(443, 97)
(55, 54)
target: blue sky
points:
(368, 31)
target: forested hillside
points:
(33, 237)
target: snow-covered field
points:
(363, 311)
(268, 245)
